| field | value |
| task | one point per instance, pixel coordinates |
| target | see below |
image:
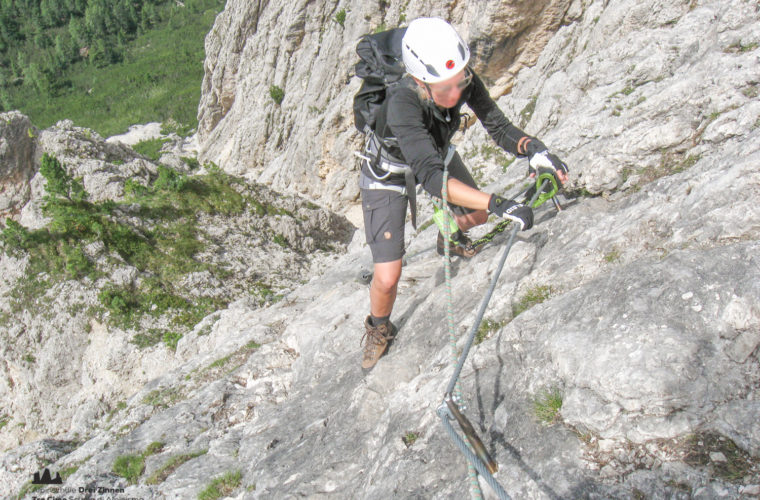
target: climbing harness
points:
(376, 157)
(478, 459)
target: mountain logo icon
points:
(46, 479)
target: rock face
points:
(17, 143)
(43, 391)
(631, 93)
(305, 143)
(637, 307)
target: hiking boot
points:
(377, 341)
(462, 245)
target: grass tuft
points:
(222, 486)
(166, 470)
(409, 438)
(277, 94)
(547, 404)
(533, 296)
(340, 17)
(488, 326)
(129, 467)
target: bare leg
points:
(473, 219)
(382, 292)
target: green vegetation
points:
(380, 28)
(68, 471)
(487, 326)
(166, 470)
(162, 250)
(132, 466)
(409, 438)
(171, 339)
(183, 130)
(280, 240)
(150, 147)
(507, 162)
(106, 64)
(192, 163)
(153, 448)
(119, 406)
(547, 404)
(340, 17)
(129, 467)
(612, 256)
(737, 465)
(4, 421)
(277, 94)
(670, 163)
(740, 47)
(220, 362)
(28, 488)
(163, 398)
(424, 225)
(221, 486)
(235, 359)
(65, 473)
(263, 292)
(533, 296)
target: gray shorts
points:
(385, 214)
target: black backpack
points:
(380, 66)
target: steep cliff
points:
(630, 321)
(304, 143)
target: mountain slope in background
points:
(636, 307)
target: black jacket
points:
(417, 132)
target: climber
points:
(410, 140)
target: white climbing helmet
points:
(432, 50)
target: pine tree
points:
(61, 57)
(46, 15)
(78, 31)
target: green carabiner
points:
(546, 194)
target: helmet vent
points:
(431, 70)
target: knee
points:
(472, 219)
(386, 281)
(479, 217)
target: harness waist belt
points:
(373, 149)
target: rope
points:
(454, 387)
(455, 377)
(472, 475)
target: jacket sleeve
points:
(498, 126)
(405, 119)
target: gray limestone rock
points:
(637, 305)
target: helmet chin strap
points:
(430, 94)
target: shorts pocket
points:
(376, 208)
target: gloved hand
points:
(539, 156)
(512, 210)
